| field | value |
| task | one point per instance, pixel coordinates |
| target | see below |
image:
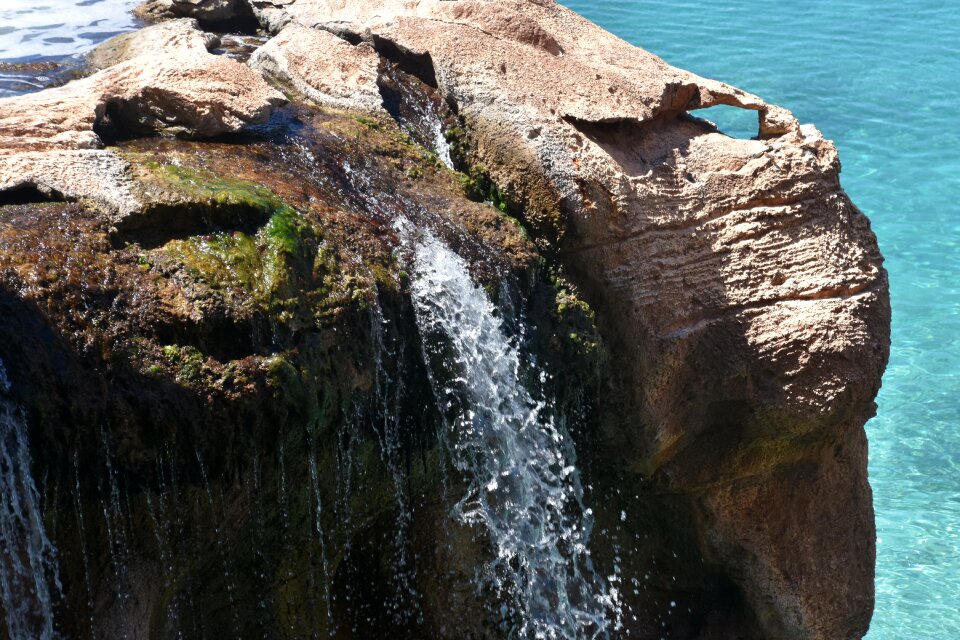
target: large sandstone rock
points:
(743, 291)
(180, 36)
(740, 292)
(345, 76)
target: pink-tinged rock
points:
(164, 79)
(96, 176)
(322, 67)
(742, 293)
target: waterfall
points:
(440, 143)
(523, 487)
(28, 562)
(388, 427)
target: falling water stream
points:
(523, 487)
(29, 578)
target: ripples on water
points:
(54, 31)
(881, 79)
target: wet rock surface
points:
(206, 316)
(215, 13)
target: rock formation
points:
(222, 13)
(741, 310)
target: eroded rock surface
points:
(745, 293)
(163, 79)
(345, 76)
(740, 297)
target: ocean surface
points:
(32, 29)
(54, 31)
(880, 78)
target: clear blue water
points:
(881, 79)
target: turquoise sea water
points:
(882, 79)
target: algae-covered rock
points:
(206, 318)
(216, 352)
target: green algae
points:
(456, 137)
(479, 187)
(567, 338)
(370, 123)
(259, 262)
(186, 361)
(207, 187)
(281, 372)
(577, 314)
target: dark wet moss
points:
(478, 186)
(260, 264)
(231, 332)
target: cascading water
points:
(523, 486)
(440, 142)
(418, 109)
(387, 397)
(29, 577)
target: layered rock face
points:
(739, 294)
(743, 289)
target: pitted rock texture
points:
(182, 37)
(345, 76)
(743, 290)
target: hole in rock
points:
(735, 122)
(349, 36)
(28, 194)
(241, 22)
(159, 223)
(117, 123)
(419, 65)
